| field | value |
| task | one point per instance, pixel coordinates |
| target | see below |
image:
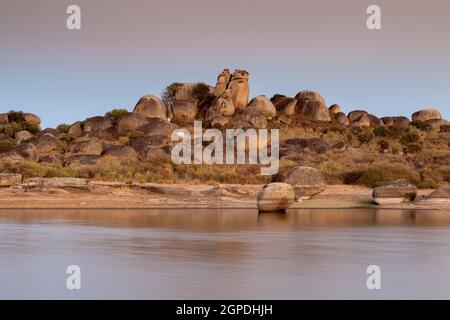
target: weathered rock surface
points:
(262, 105)
(306, 181)
(131, 122)
(318, 145)
(285, 105)
(151, 106)
(56, 183)
(335, 108)
(184, 110)
(240, 89)
(96, 124)
(82, 159)
(10, 179)
(307, 95)
(341, 119)
(75, 130)
(222, 83)
(28, 151)
(440, 196)
(125, 154)
(32, 118)
(426, 114)
(396, 121)
(275, 197)
(91, 146)
(48, 144)
(398, 191)
(222, 106)
(316, 111)
(157, 127)
(255, 118)
(23, 136)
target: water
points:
(224, 254)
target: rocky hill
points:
(353, 148)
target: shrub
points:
(63, 128)
(377, 176)
(202, 93)
(414, 147)
(30, 127)
(12, 128)
(383, 145)
(16, 116)
(410, 137)
(168, 95)
(365, 137)
(7, 145)
(381, 131)
(115, 114)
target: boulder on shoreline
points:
(440, 196)
(398, 191)
(10, 179)
(306, 181)
(275, 197)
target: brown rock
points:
(222, 82)
(222, 106)
(126, 154)
(144, 144)
(131, 122)
(316, 111)
(4, 118)
(275, 197)
(262, 105)
(307, 181)
(341, 119)
(48, 144)
(184, 110)
(28, 151)
(375, 121)
(355, 115)
(307, 95)
(440, 196)
(239, 89)
(96, 124)
(445, 128)
(75, 130)
(82, 159)
(397, 192)
(158, 127)
(151, 106)
(32, 118)
(91, 146)
(23, 136)
(219, 121)
(318, 145)
(255, 118)
(362, 120)
(426, 114)
(335, 108)
(286, 106)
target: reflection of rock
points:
(275, 197)
(397, 192)
(307, 181)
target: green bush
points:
(63, 128)
(115, 114)
(381, 131)
(7, 145)
(410, 137)
(365, 137)
(11, 129)
(383, 145)
(168, 95)
(202, 93)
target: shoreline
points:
(188, 196)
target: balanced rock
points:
(151, 106)
(426, 114)
(275, 197)
(306, 181)
(239, 89)
(396, 192)
(222, 83)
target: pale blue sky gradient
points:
(130, 48)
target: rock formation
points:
(275, 197)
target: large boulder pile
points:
(238, 86)
(275, 197)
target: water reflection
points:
(230, 219)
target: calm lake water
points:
(224, 254)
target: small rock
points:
(398, 191)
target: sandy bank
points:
(110, 196)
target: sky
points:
(128, 48)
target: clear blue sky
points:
(130, 48)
